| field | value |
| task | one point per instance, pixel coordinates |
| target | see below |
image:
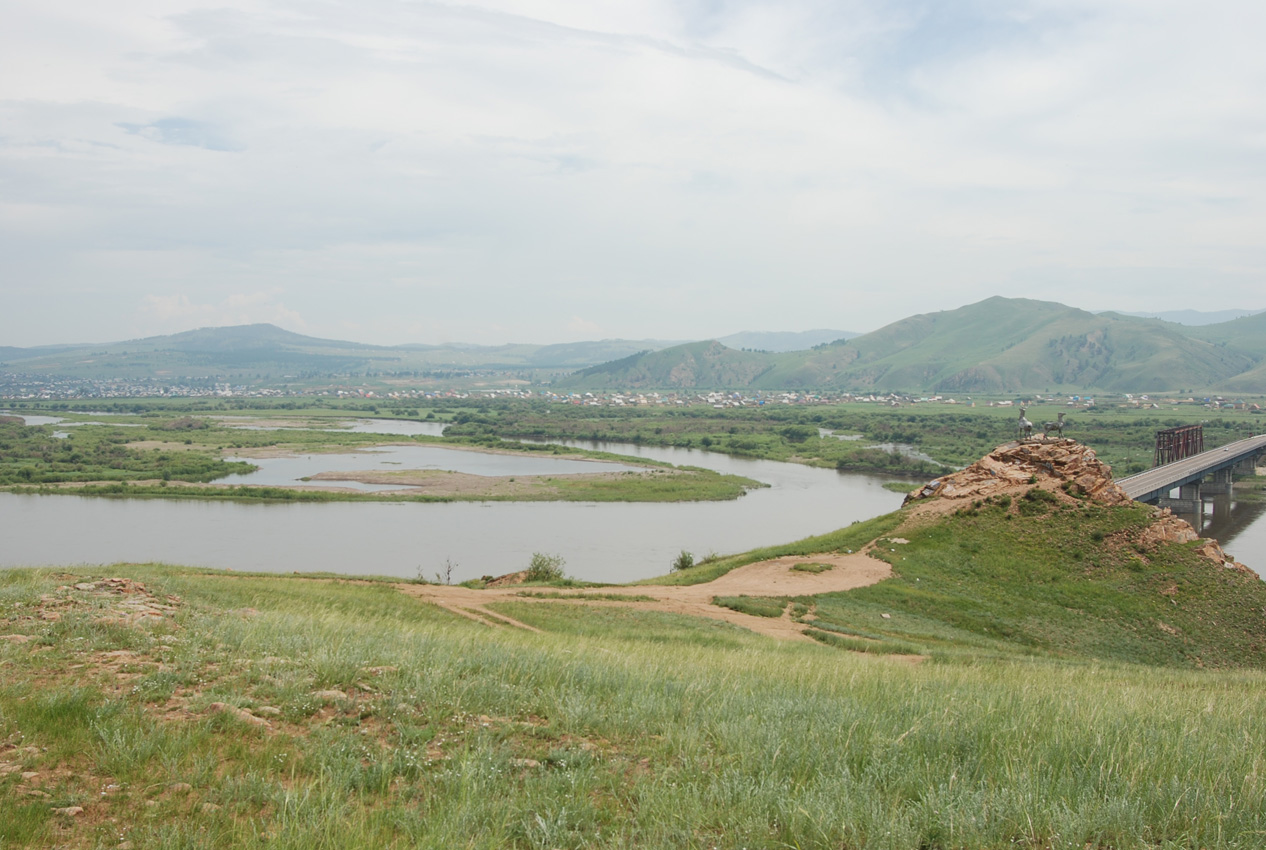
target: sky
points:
(545, 171)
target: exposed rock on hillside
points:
(1060, 465)
(1016, 465)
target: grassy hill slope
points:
(997, 345)
(269, 351)
(696, 364)
(1244, 334)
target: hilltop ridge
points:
(994, 346)
(1069, 472)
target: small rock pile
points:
(114, 601)
(1015, 465)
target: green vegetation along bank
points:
(154, 456)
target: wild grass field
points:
(256, 711)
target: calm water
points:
(403, 427)
(1239, 526)
(600, 542)
(289, 471)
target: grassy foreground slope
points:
(204, 709)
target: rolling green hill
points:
(695, 364)
(270, 352)
(1245, 334)
(995, 346)
(999, 345)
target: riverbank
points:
(221, 463)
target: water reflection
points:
(1239, 526)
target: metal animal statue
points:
(1058, 427)
(1026, 427)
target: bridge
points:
(1189, 474)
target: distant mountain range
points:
(999, 345)
(1197, 317)
(266, 351)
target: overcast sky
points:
(544, 171)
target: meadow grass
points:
(849, 539)
(757, 606)
(1049, 577)
(619, 728)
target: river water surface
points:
(615, 541)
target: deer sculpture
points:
(1025, 426)
(1057, 427)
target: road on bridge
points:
(1157, 482)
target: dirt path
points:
(765, 578)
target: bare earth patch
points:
(443, 482)
(765, 578)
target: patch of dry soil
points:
(764, 578)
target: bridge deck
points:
(1151, 485)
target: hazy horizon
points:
(1205, 317)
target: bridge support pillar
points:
(1188, 501)
(1221, 483)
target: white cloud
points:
(491, 171)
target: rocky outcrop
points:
(1018, 465)
(1168, 528)
(1068, 466)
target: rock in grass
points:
(330, 696)
(240, 713)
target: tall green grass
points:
(614, 728)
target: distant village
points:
(20, 387)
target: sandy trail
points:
(765, 578)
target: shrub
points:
(544, 567)
(683, 561)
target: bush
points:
(544, 567)
(683, 561)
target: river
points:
(610, 542)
